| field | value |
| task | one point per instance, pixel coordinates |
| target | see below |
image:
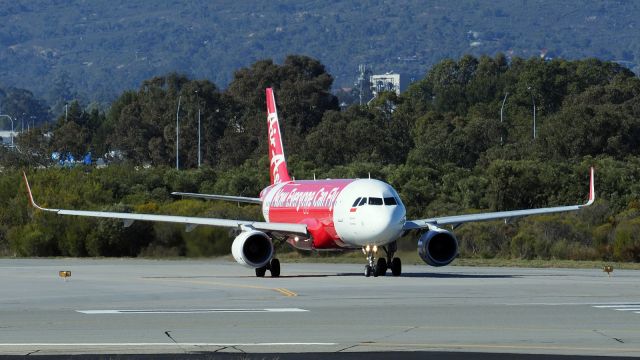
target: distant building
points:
(388, 82)
(368, 86)
(363, 84)
(5, 135)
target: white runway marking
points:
(172, 344)
(190, 311)
(569, 304)
(621, 307)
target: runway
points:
(135, 306)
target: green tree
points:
(26, 110)
(143, 123)
(626, 245)
(302, 91)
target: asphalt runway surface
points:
(194, 307)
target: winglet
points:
(33, 203)
(592, 191)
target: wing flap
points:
(285, 228)
(500, 215)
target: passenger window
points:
(390, 201)
(363, 201)
(375, 201)
(355, 203)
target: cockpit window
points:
(355, 203)
(390, 201)
(375, 201)
(363, 201)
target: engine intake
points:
(252, 248)
(438, 247)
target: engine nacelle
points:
(438, 247)
(252, 248)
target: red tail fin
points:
(278, 168)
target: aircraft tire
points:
(367, 270)
(381, 266)
(396, 266)
(275, 267)
(261, 271)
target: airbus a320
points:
(342, 214)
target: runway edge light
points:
(608, 269)
(65, 274)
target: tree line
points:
(442, 144)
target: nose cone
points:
(385, 225)
(370, 213)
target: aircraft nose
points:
(386, 225)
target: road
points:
(132, 306)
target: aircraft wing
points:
(190, 222)
(500, 215)
(220, 197)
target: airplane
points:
(331, 214)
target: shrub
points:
(626, 240)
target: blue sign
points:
(87, 159)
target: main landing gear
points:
(273, 266)
(380, 266)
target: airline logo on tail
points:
(278, 167)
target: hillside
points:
(95, 49)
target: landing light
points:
(375, 248)
(368, 248)
(296, 239)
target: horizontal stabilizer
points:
(242, 199)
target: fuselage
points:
(342, 213)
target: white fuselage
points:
(377, 219)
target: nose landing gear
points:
(380, 266)
(370, 268)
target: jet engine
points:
(437, 247)
(252, 248)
